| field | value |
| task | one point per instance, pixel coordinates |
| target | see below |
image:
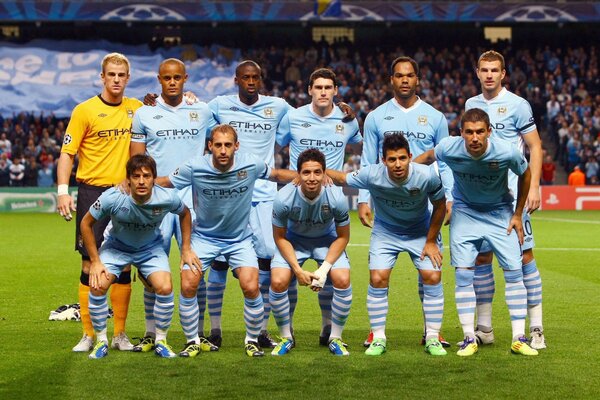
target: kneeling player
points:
(135, 239)
(483, 211)
(311, 222)
(403, 223)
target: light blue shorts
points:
(313, 248)
(261, 216)
(468, 230)
(528, 242)
(147, 261)
(237, 254)
(385, 246)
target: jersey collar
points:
(306, 199)
(500, 94)
(409, 109)
(161, 101)
(310, 110)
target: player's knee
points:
(527, 256)
(430, 277)
(249, 288)
(189, 284)
(484, 258)
(163, 288)
(279, 283)
(341, 281)
(101, 291)
(378, 281)
(513, 275)
(464, 277)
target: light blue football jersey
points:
(481, 184)
(173, 135)
(303, 129)
(222, 200)
(256, 126)
(402, 208)
(422, 125)
(136, 227)
(310, 218)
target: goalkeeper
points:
(311, 221)
(403, 223)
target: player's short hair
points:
(140, 161)
(115, 58)
(491, 56)
(475, 115)
(223, 128)
(324, 73)
(407, 59)
(172, 61)
(310, 155)
(246, 63)
(395, 141)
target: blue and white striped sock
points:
(533, 283)
(516, 300)
(163, 314)
(377, 308)
(201, 299)
(98, 314)
(280, 306)
(214, 300)
(264, 283)
(433, 307)
(149, 299)
(465, 300)
(325, 297)
(253, 316)
(340, 310)
(293, 297)
(188, 316)
(485, 287)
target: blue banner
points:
(55, 76)
(338, 10)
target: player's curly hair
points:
(310, 155)
(475, 115)
(394, 141)
(140, 161)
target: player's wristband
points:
(63, 189)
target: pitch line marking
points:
(537, 248)
(576, 221)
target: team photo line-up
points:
(204, 174)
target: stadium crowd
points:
(562, 84)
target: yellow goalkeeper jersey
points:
(100, 133)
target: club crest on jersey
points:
(129, 113)
(156, 210)
(422, 120)
(194, 116)
(268, 112)
(339, 129)
(241, 175)
(414, 191)
(501, 110)
(295, 213)
(494, 164)
(325, 210)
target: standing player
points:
(483, 210)
(421, 124)
(171, 132)
(311, 221)
(401, 194)
(222, 185)
(319, 125)
(255, 119)
(135, 238)
(99, 133)
(512, 120)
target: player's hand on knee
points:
(98, 273)
(150, 99)
(189, 257)
(365, 215)
(516, 223)
(432, 251)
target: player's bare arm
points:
(66, 205)
(516, 222)
(426, 158)
(287, 251)
(163, 181)
(431, 248)
(338, 178)
(534, 143)
(188, 256)
(282, 175)
(99, 277)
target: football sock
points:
(533, 283)
(485, 287)
(201, 298)
(86, 322)
(433, 307)
(421, 294)
(516, 300)
(280, 305)
(264, 282)
(325, 298)
(377, 308)
(188, 316)
(99, 313)
(340, 309)
(120, 294)
(149, 300)
(465, 300)
(214, 300)
(163, 312)
(293, 297)
(253, 316)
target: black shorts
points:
(86, 196)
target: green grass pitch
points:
(39, 271)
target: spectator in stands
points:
(17, 172)
(4, 171)
(548, 171)
(46, 173)
(591, 169)
(577, 178)
(31, 172)
(5, 145)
